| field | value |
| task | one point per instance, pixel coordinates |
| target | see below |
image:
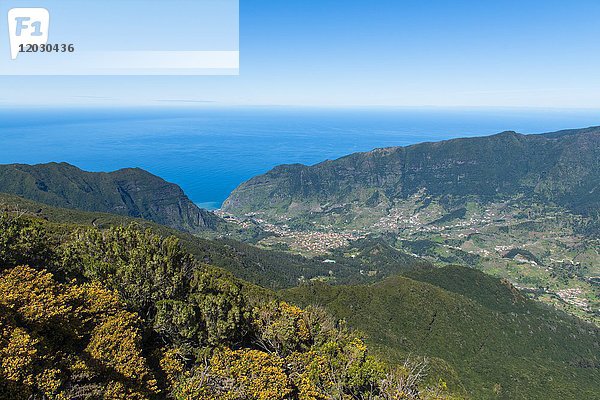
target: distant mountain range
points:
(561, 168)
(130, 192)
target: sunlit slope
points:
(503, 345)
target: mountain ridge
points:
(132, 192)
(507, 163)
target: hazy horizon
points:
(208, 151)
(395, 53)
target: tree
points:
(23, 241)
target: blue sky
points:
(527, 53)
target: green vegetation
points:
(132, 192)
(502, 345)
(192, 316)
(123, 313)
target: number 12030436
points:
(46, 48)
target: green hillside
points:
(122, 313)
(131, 192)
(502, 345)
(561, 168)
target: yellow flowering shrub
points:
(34, 295)
(250, 374)
(172, 365)
(52, 334)
(237, 375)
(281, 328)
(18, 356)
(308, 372)
(116, 344)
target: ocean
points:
(208, 151)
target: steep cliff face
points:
(561, 168)
(131, 192)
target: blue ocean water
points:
(209, 151)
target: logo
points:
(27, 27)
(34, 48)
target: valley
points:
(541, 250)
(501, 204)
